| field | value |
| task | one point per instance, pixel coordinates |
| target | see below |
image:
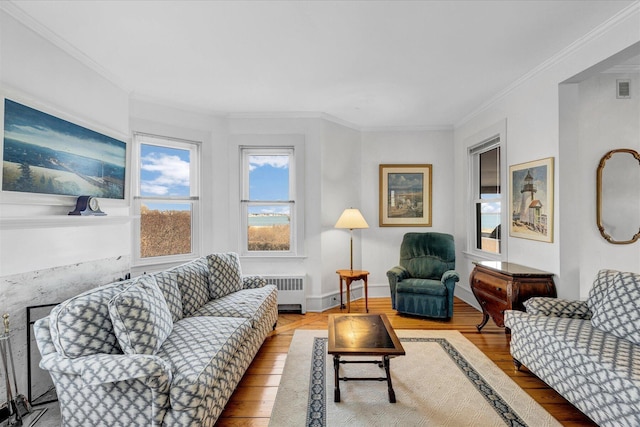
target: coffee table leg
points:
(336, 368)
(392, 394)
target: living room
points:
(46, 256)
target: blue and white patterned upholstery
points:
(81, 326)
(225, 275)
(557, 307)
(618, 312)
(193, 282)
(168, 283)
(140, 316)
(591, 367)
(189, 379)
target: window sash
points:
(246, 203)
(477, 199)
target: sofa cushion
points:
(252, 304)
(168, 283)
(199, 351)
(618, 311)
(225, 276)
(81, 325)
(141, 318)
(193, 282)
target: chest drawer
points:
(490, 284)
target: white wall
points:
(605, 123)
(45, 255)
(531, 108)
(381, 245)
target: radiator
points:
(291, 296)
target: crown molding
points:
(425, 128)
(45, 32)
(631, 11)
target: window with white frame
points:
(167, 198)
(486, 197)
(268, 201)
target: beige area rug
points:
(443, 380)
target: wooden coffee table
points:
(363, 335)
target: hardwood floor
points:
(253, 400)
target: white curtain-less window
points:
(268, 201)
(487, 196)
(167, 198)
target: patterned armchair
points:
(424, 282)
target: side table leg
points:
(348, 295)
(366, 294)
(341, 304)
(392, 394)
(336, 368)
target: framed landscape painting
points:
(48, 155)
(531, 201)
(405, 196)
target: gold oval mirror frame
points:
(611, 189)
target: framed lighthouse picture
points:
(531, 200)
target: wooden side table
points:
(500, 286)
(349, 276)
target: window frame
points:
(478, 144)
(245, 151)
(195, 150)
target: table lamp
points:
(351, 218)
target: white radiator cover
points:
(291, 296)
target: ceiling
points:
(372, 64)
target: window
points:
(166, 198)
(487, 196)
(268, 201)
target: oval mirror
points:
(618, 196)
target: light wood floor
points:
(253, 400)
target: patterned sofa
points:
(588, 351)
(166, 349)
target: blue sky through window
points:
(269, 181)
(164, 172)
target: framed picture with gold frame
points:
(405, 195)
(531, 201)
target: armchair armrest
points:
(109, 368)
(558, 307)
(450, 275)
(395, 275)
(252, 282)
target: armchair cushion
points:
(618, 312)
(225, 276)
(141, 318)
(427, 255)
(422, 286)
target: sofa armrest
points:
(558, 307)
(253, 282)
(110, 368)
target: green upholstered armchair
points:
(424, 282)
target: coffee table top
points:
(363, 334)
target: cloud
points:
(169, 172)
(273, 161)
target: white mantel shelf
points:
(56, 221)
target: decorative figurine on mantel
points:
(87, 205)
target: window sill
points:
(482, 256)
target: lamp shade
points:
(351, 218)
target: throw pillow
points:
(140, 316)
(225, 276)
(600, 287)
(168, 284)
(193, 282)
(619, 310)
